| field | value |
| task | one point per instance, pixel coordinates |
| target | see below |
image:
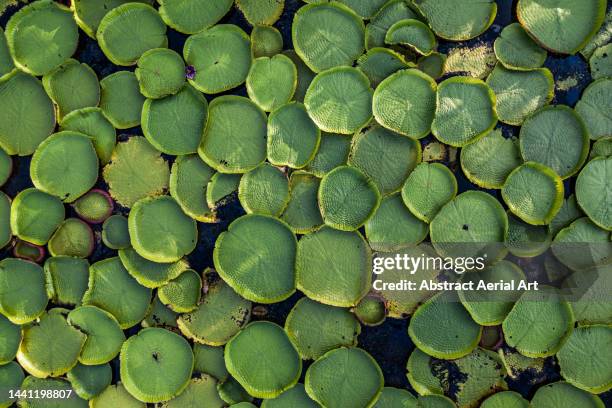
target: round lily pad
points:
(390, 13)
(266, 41)
(566, 30)
(128, 183)
(41, 36)
(9, 340)
(115, 396)
(315, 328)
(121, 100)
(220, 188)
(220, 315)
(339, 100)
(160, 72)
(457, 20)
(270, 279)
(271, 82)
(104, 335)
(156, 365)
(516, 50)
(89, 13)
(428, 188)
(73, 237)
(333, 152)
(126, 32)
(111, 288)
(526, 240)
(5, 215)
(294, 397)
(209, 360)
(364, 8)
(405, 102)
(593, 106)
(35, 216)
(488, 161)
(263, 360)
(331, 380)
(465, 111)
(302, 211)
(188, 178)
(593, 190)
(23, 98)
(505, 399)
(412, 33)
(393, 227)
(28, 251)
(11, 377)
(371, 311)
(264, 190)
(66, 279)
(32, 386)
(94, 206)
(395, 397)
(93, 123)
(582, 245)
(442, 328)
(232, 146)
(89, 381)
(293, 138)
(563, 394)
(327, 35)
(51, 347)
(520, 93)
(159, 315)
(72, 86)
(600, 63)
(65, 165)
(538, 324)
(220, 56)
(378, 63)
(534, 193)
(115, 232)
(433, 64)
(338, 210)
(192, 16)
(160, 231)
(182, 294)
(200, 389)
(323, 276)
(148, 273)
(556, 137)
(261, 12)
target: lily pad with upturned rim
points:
(378, 63)
(582, 245)
(593, 107)
(203, 388)
(433, 64)
(115, 232)
(414, 34)
(505, 399)
(73, 237)
(333, 152)
(593, 189)
(121, 100)
(395, 397)
(89, 13)
(261, 11)
(89, 381)
(209, 360)
(115, 396)
(220, 187)
(371, 311)
(390, 13)
(295, 397)
(6, 65)
(94, 206)
(264, 190)
(93, 123)
(427, 189)
(33, 385)
(192, 16)
(302, 211)
(11, 376)
(182, 294)
(568, 213)
(35, 215)
(189, 179)
(516, 50)
(160, 72)
(148, 273)
(266, 41)
(563, 394)
(9, 340)
(525, 240)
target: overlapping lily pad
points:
(428, 188)
(182, 294)
(266, 41)
(121, 100)
(264, 190)
(189, 179)
(73, 237)
(390, 13)
(562, 393)
(271, 82)
(457, 20)
(412, 33)
(594, 105)
(93, 123)
(35, 215)
(592, 190)
(516, 50)
(115, 232)
(160, 72)
(302, 212)
(192, 16)
(378, 63)
(89, 381)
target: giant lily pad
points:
(582, 245)
(115, 396)
(564, 395)
(458, 20)
(159, 315)
(35, 215)
(333, 152)
(32, 386)
(263, 360)
(189, 179)
(121, 100)
(271, 82)
(6, 65)
(11, 377)
(220, 189)
(270, 279)
(266, 41)
(593, 189)
(526, 240)
(115, 232)
(93, 123)
(261, 12)
(192, 16)
(392, 12)
(160, 72)
(89, 13)
(428, 188)
(378, 63)
(412, 33)
(95, 206)
(209, 360)
(593, 107)
(264, 190)
(5, 224)
(505, 399)
(302, 212)
(200, 389)
(182, 294)
(395, 397)
(89, 381)
(73, 237)
(148, 273)
(9, 340)
(294, 397)
(516, 50)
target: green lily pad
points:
(182, 294)
(93, 123)
(209, 360)
(405, 102)
(323, 276)
(488, 161)
(23, 287)
(11, 378)
(420, 374)
(160, 72)
(433, 64)
(393, 227)
(458, 20)
(593, 107)
(490, 308)
(115, 232)
(302, 211)
(192, 16)
(526, 240)
(395, 397)
(520, 93)
(89, 381)
(585, 358)
(6, 166)
(568, 213)
(592, 308)
(266, 41)
(333, 152)
(340, 212)
(128, 183)
(121, 100)
(516, 50)
(264, 190)
(538, 324)
(189, 178)
(305, 75)
(378, 63)
(89, 13)
(73, 237)
(582, 245)
(220, 315)
(564, 395)
(35, 216)
(220, 188)
(293, 139)
(9, 341)
(94, 206)
(271, 82)
(412, 33)
(232, 146)
(331, 380)
(199, 389)
(112, 289)
(5, 215)
(66, 279)
(6, 65)
(270, 279)
(534, 193)
(261, 12)
(115, 396)
(315, 328)
(505, 399)
(32, 386)
(72, 86)
(371, 311)
(233, 393)
(41, 36)
(51, 347)
(126, 32)
(156, 365)
(339, 100)
(428, 188)
(400, 156)
(159, 315)
(563, 28)
(327, 35)
(365, 9)
(465, 111)
(23, 98)
(392, 12)
(593, 190)
(600, 63)
(220, 56)
(294, 397)
(263, 360)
